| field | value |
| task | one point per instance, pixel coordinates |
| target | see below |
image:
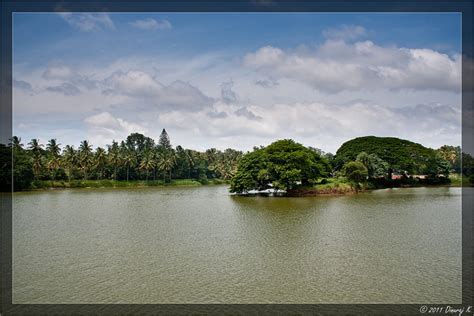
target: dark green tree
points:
(283, 165)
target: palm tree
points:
(15, 142)
(166, 163)
(85, 157)
(114, 157)
(35, 146)
(189, 156)
(148, 162)
(100, 160)
(129, 159)
(69, 160)
(54, 163)
(36, 149)
(53, 148)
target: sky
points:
(237, 80)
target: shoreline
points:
(46, 185)
(329, 189)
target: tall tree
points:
(164, 142)
(166, 162)
(147, 163)
(114, 157)
(129, 159)
(36, 149)
(54, 161)
(69, 160)
(85, 157)
(100, 161)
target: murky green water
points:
(201, 245)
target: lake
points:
(203, 245)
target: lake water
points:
(202, 245)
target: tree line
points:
(371, 161)
(137, 157)
(282, 164)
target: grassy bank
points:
(329, 186)
(341, 185)
(39, 184)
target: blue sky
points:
(237, 80)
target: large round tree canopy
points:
(282, 165)
(400, 154)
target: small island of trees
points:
(362, 163)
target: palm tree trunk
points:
(128, 168)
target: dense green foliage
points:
(355, 171)
(375, 166)
(135, 158)
(400, 155)
(282, 165)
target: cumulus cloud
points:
(88, 21)
(22, 85)
(346, 32)
(56, 71)
(65, 88)
(104, 127)
(217, 114)
(227, 94)
(245, 112)
(321, 125)
(138, 84)
(266, 83)
(338, 66)
(60, 72)
(152, 24)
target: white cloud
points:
(138, 84)
(23, 85)
(338, 66)
(245, 112)
(152, 24)
(346, 32)
(104, 127)
(88, 21)
(227, 94)
(65, 88)
(56, 71)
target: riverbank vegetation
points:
(134, 161)
(285, 165)
(359, 164)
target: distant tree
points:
(129, 159)
(114, 157)
(401, 155)
(85, 157)
(376, 167)
(283, 164)
(355, 171)
(36, 149)
(437, 165)
(22, 166)
(164, 142)
(69, 160)
(452, 154)
(166, 162)
(15, 143)
(53, 148)
(100, 161)
(148, 163)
